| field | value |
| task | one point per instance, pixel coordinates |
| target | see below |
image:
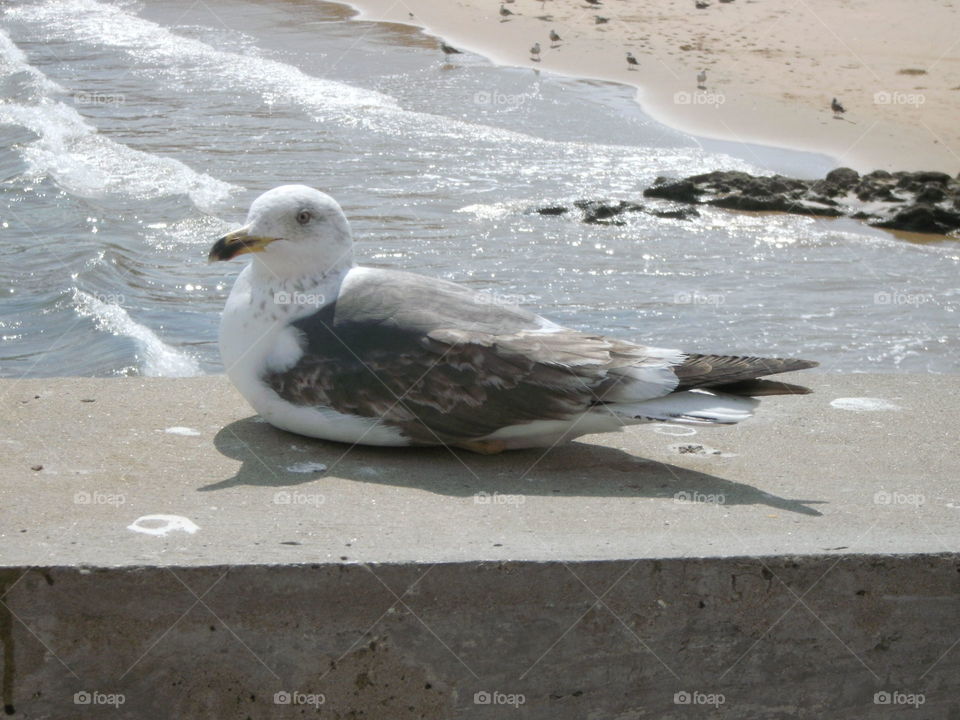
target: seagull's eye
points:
(304, 216)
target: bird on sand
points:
(554, 37)
(632, 61)
(505, 13)
(325, 348)
(449, 49)
(837, 108)
(599, 20)
(702, 79)
(595, 3)
(535, 52)
(701, 4)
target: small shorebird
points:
(505, 13)
(449, 49)
(837, 108)
(632, 61)
(554, 38)
(702, 79)
(701, 4)
(535, 52)
(598, 20)
(595, 3)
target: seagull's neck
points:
(294, 295)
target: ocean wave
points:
(157, 358)
(189, 63)
(87, 164)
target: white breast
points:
(255, 337)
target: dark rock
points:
(923, 218)
(680, 191)
(679, 213)
(770, 203)
(940, 178)
(599, 211)
(843, 177)
(931, 193)
(926, 202)
(916, 199)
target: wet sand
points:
(772, 67)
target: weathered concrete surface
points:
(398, 583)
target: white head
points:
(294, 231)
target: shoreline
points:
(894, 121)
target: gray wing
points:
(441, 362)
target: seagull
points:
(554, 37)
(449, 49)
(702, 79)
(598, 20)
(837, 108)
(504, 12)
(535, 52)
(325, 348)
(632, 61)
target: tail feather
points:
(725, 371)
(759, 388)
(692, 406)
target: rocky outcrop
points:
(923, 202)
(610, 212)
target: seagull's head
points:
(293, 230)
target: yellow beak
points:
(236, 243)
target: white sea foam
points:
(13, 60)
(157, 358)
(87, 164)
(188, 63)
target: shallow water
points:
(133, 134)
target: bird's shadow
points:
(577, 469)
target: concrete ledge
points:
(809, 565)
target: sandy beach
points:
(772, 67)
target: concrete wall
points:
(794, 566)
(809, 636)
